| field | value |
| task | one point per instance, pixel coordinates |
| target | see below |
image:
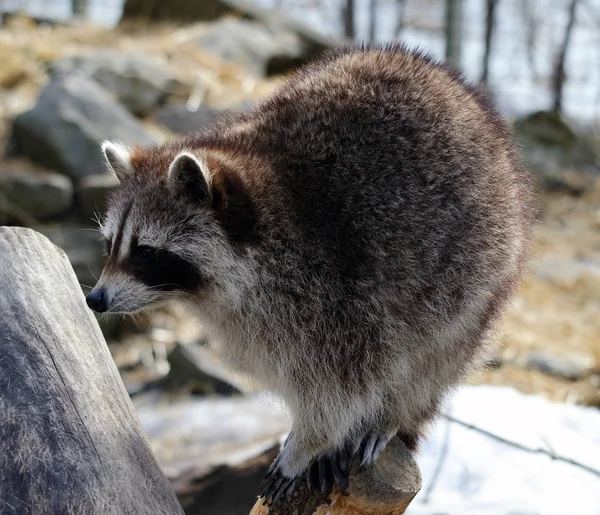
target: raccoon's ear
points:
(118, 158)
(189, 176)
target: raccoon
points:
(350, 243)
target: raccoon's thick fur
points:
(350, 243)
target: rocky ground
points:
(63, 89)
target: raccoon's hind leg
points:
(322, 447)
(333, 467)
(323, 442)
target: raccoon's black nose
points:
(97, 300)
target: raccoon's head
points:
(167, 230)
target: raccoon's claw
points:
(276, 485)
(330, 469)
(371, 447)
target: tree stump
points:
(70, 441)
(385, 489)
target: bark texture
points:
(70, 441)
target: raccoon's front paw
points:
(276, 485)
(329, 469)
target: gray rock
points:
(178, 118)
(494, 359)
(70, 119)
(570, 366)
(560, 157)
(312, 42)
(42, 195)
(92, 195)
(197, 365)
(567, 272)
(206, 10)
(259, 48)
(139, 81)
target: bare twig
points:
(516, 445)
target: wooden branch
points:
(386, 489)
(70, 441)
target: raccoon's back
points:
(393, 173)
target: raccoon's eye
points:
(143, 254)
(107, 246)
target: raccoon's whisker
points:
(93, 274)
(86, 286)
(159, 286)
(88, 229)
(164, 293)
(96, 217)
(136, 320)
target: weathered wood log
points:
(70, 441)
(385, 489)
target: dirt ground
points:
(557, 312)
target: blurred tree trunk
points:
(453, 31)
(79, 8)
(400, 16)
(348, 14)
(559, 72)
(372, 20)
(489, 30)
(532, 24)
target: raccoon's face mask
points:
(160, 235)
